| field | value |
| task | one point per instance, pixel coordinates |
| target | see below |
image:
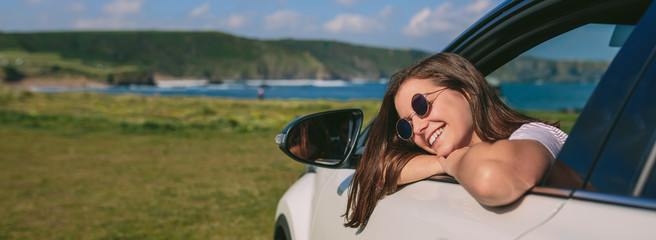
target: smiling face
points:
(449, 124)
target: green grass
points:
(97, 166)
(566, 118)
(104, 185)
(135, 113)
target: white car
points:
(612, 146)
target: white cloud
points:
(351, 23)
(446, 18)
(212, 21)
(287, 19)
(123, 7)
(386, 12)
(480, 6)
(116, 16)
(235, 21)
(280, 19)
(200, 10)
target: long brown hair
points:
(386, 154)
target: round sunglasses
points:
(421, 107)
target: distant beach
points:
(525, 96)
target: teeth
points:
(437, 133)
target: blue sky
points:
(417, 24)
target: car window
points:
(626, 163)
(559, 75)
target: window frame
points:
(611, 97)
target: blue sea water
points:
(342, 92)
(548, 96)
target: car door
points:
(620, 197)
(430, 210)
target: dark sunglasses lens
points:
(404, 129)
(419, 104)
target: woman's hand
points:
(448, 163)
(419, 168)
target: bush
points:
(127, 78)
(12, 74)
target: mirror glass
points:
(323, 138)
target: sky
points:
(427, 25)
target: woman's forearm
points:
(499, 173)
(420, 167)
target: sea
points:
(524, 96)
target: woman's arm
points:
(420, 167)
(498, 173)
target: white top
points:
(551, 137)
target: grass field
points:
(95, 166)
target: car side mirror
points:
(324, 139)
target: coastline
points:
(55, 82)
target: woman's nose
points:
(419, 125)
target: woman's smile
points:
(435, 136)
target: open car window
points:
(559, 75)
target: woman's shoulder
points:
(538, 129)
(551, 137)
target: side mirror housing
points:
(324, 139)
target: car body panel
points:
(297, 206)
(438, 210)
(581, 219)
(330, 205)
(426, 208)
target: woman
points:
(440, 116)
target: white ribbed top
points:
(551, 137)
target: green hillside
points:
(531, 69)
(136, 56)
(356, 61)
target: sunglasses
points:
(421, 107)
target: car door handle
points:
(344, 185)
